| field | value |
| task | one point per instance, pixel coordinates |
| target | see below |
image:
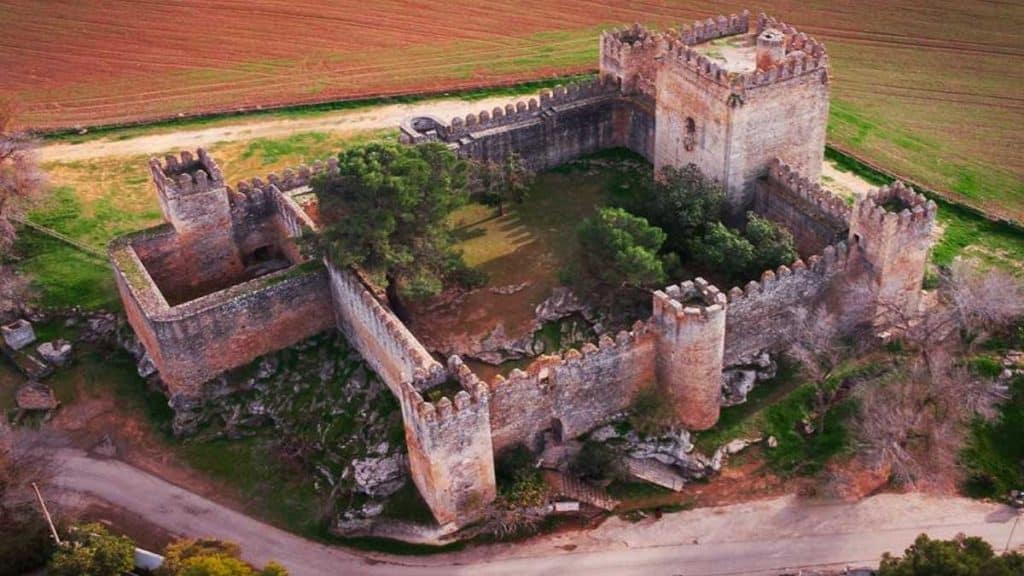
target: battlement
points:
(523, 110)
(717, 27)
(832, 260)
(821, 200)
(896, 208)
(690, 301)
(186, 174)
(794, 39)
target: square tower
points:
(730, 99)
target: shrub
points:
(597, 461)
(650, 414)
(961, 555)
(994, 455)
(207, 557)
(724, 250)
(90, 549)
(519, 482)
(773, 244)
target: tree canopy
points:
(191, 557)
(501, 183)
(90, 550)
(387, 209)
(961, 556)
(620, 249)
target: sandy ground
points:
(370, 118)
(752, 538)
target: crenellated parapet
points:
(694, 301)
(527, 110)
(794, 39)
(629, 55)
(831, 261)
(186, 173)
(814, 216)
(713, 28)
(895, 209)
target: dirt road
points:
(762, 537)
(363, 119)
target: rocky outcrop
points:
(740, 378)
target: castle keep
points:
(225, 279)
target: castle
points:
(225, 279)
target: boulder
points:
(379, 477)
(18, 334)
(57, 352)
(560, 304)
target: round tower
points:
(690, 328)
(771, 48)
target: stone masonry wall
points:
(771, 314)
(381, 338)
(194, 342)
(814, 216)
(578, 389)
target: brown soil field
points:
(930, 89)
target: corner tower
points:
(194, 200)
(730, 98)
(689, 320)
(890, 230)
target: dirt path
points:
(369, 118)
(761, 537)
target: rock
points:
(371, 509)
(1006, 374)
(379, 477)
(604, 433)
(267, 367)
(510, 289)
(738, 445)
(100, 327)
(57, 352)
(772, 442)
(18, 334)
(560, 304)
(145, 366)
(36, 396)
(736, 384)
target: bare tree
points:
(15, 293)
(984, 298)
(20, 176)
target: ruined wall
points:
(382, 340)
(194, 342)
(578, 389)
(690, 324)
(814, 216)
(771, 314)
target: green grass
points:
(64, 275)
(747, 419)
(798, 453)
(994, 456)
(284, 494)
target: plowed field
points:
(933, 90)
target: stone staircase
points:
(575, 489)
(655, 472)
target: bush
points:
(800, 451)
(961, 555)
(205, 557)
(994, 455)
(773, 244)
(519, 482)
(724, 250)
(25, 542)
(90, 549)
(650, 414)
(597, 462)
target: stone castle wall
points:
(192, 343)
(574, 391)
(771, 314)
(814, 216)
(379, 336)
